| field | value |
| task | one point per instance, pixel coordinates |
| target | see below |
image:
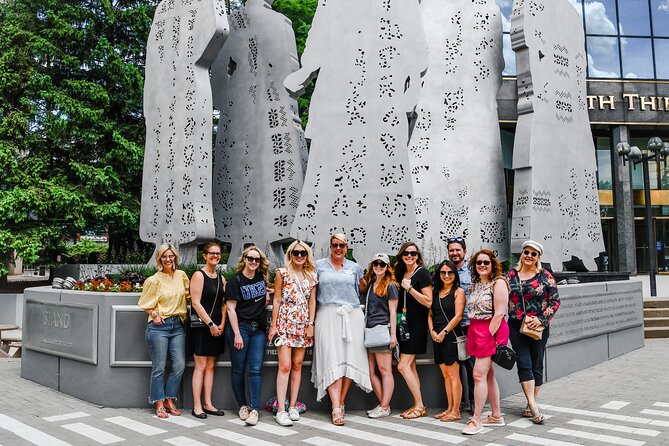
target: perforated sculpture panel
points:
(260, 150)
(555, 191)
(369, 57)
(176, 186)
(456, 158)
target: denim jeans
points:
(530, 354)
(249, 359)
(166, 341)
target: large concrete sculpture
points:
(260, 152)
(369, 57)
(456, 157)
(176, 188)
(555, 192)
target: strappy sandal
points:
(450, 417)
(338, 416)
(537, 417)
(441, 415)
(172, 410)
(415, 413)
(527, 413)
(161, 412)
(409, 410)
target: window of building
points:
(634, 18)
(603, 59)
(600, 17)
(662, 58)
(660, 12)
(604, 174)
(637, 56)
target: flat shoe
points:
(172, 410)
(161, 413)
(527, 413)
(415, 413)
(441, 415)
(201, 416)
(537, 417)
(218, 413)
(449, 418)
(492, 421)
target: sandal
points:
(338, 416)
(414, 413)
(537, 417)
(172, 410)
(450, 417)
(527, 413)
(441, 415)
(410, 409)
(161, 412)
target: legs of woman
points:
(345, 385)
(197, 382)
(530, 365)
(335, 391)
(453, 390)
(373, 377)
(177, 352)
(209, 383)
(407, 368)
(384, 361)
(238, 362)
(449, 396)
(254, 360)
(282, 376)
(493, 393)
(297, 358)
(481, 368)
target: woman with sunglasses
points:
(487, 306)
(415, 301)
(448, 306)
(293, 313)
(340, 357)
(381, 309)
(534, 299)
(207, 293)
(164, 300)
(246, 298)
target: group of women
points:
(317, 302)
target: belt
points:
(251, 323)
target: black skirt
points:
(446, 352)
(202, 343)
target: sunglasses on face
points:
(530, 253)
(253, 259)
(447, 273)
(338, 245)
(483, 262)
(213, 254)
(299, 253)
(410, 254)
(379, 264)
(455, 239)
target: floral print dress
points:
(540, 294)
(294, 310)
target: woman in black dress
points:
(207, 291)
(448, 306)
(415, 300)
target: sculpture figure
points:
(369, 57)
(185, 38)
(555, 191)
(260, 152)
(455, 150)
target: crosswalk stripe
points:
(266, 427)
(320, 441)
(184, 441)
(540, 441)
(662, 413)
(661, 404)
(614, 405)
(28, 433)
(93, 433)
(434, 422)
(239, 438)
(355, 433)
(608, 439)
(66, 416)
(616, 427)
(181, 421)
(404, 428)
(136, 426)
(611, 416)
(524, 423)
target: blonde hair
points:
(162, 249)
(309, 266)
(264, 264)
(537, 263)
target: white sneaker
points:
(283, 418)
(244, 412)
(473, 427)
(380, 413)
(252, 419)
(378, 406)
(294, 414)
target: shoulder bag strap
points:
(404, 309)
(218, 287)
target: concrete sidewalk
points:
(624, 401)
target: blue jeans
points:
(530, 354)
(249, 359)
(166, 340)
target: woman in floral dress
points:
(293, 314)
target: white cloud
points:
(594, 72)
(664, 6)
(597, 20)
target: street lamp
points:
(658, 150)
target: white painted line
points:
(661, 404)
(405, 429)
(616, 428)
(540, 441)
(67, 416)
(28, 433)
(136, 426)
(614, 405)
(320, 441)
(662, 413)
(273, 429)
(659, 423)
(239, 438)
(355, 433)
(608, 439)
(181, 421)
(184, 441)
(93, 433)
(455, 425)
(494, 444)
(522, 423)
(610, 416)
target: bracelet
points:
(310, 323)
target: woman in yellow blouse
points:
(164, 300)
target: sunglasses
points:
(253, 259)
(338, 245)
(483, 262)
(298, 253)
(446, 273)
(410, 254)
(379, 263)
(455, 239)
(530, 253)
(214, 254)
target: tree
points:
(71, 125)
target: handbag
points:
(504, 357)
(378, 335)
(534, 333)
(194, 319)
(461, 341)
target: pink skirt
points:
(480, 343)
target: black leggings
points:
(530, 361)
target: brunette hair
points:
(400, 266)
(309, 267)
(162, 249)
(437, 283)
(264, 264)
(381, 289)
(496, 267)
(210, 245)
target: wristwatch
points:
(210, 324)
